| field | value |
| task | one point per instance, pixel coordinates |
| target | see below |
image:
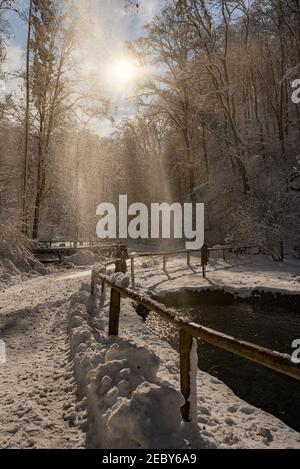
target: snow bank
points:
(127, 399)
(128, 405)
(14, 271)
(82, 257)
(130, 387)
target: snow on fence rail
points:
(188, 331)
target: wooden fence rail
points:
(83, 243)
(188, 331)
(60, 252)
(188, 254)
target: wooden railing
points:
(166, 255)
(188, 331)
(67, 243)
(108, 250)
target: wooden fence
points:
(188, 331)
(67, 243)
(166, 255)
(60, 252)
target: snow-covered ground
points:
(37, 394)
(14, 273)
(241, 276)
(131, 384)
(133, 398)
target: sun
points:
(125, 71)
(122, 73)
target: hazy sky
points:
(111, 26)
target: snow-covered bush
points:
(269, 218)
(15, 255)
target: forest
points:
(149, 230)
(214, 118)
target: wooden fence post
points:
(186, 343)
(132, 272)
(188, 258)
(281, 251)
(114, 312)
(94, 284)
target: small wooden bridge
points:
(57, 251)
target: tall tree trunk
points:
(38, 201)
(41, 177)
(26, 148)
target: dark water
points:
(264, 388)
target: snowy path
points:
(37, 394)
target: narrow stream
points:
(275, 393)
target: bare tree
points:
(27, 123)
